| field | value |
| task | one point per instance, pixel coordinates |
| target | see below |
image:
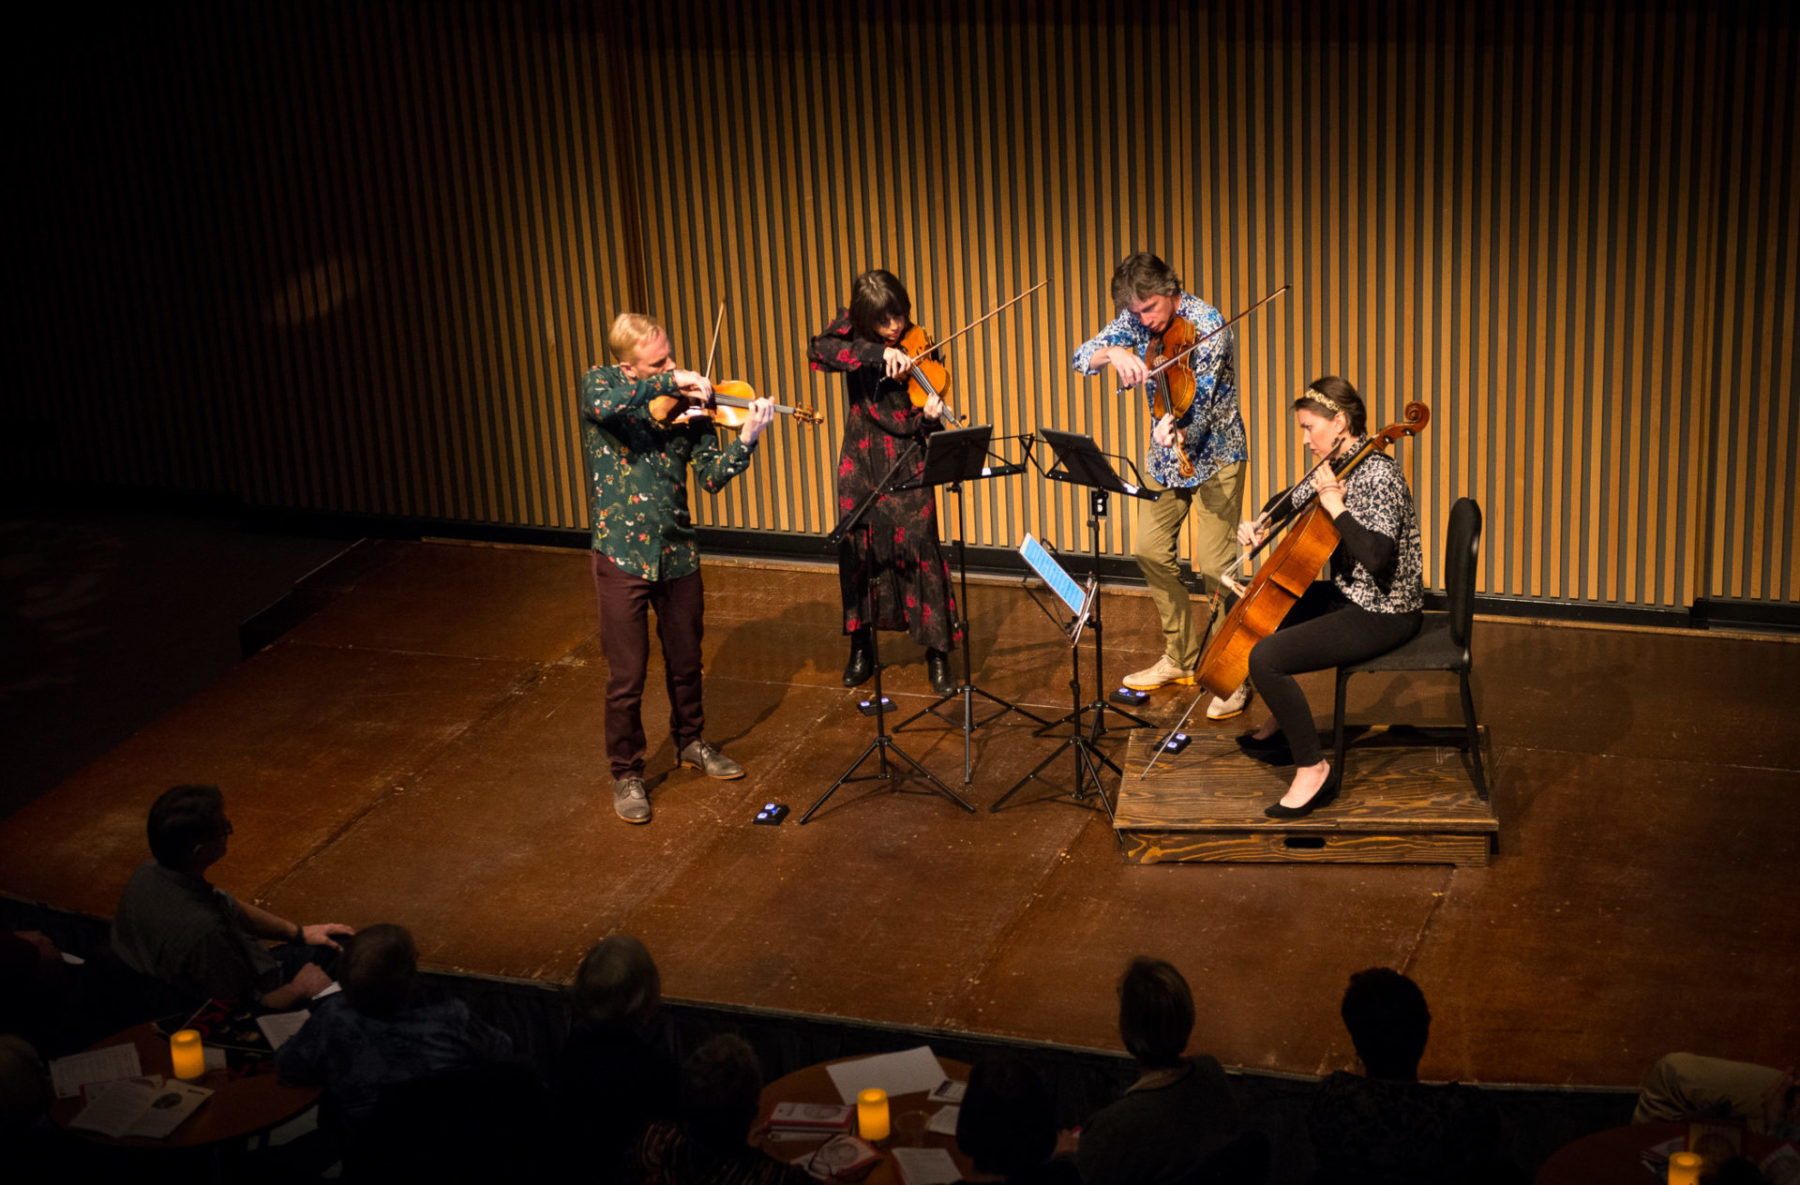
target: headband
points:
(1324, 400)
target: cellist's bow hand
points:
(1251, 534)
(762, 414)
(1163, 432)
(1126, 364)
(895, 362)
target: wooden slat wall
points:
(354, 256)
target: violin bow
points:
(1168, 362)
(713, 345)
(984, 317)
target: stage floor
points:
(426, 749)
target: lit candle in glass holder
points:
(185, 1054)
(1684, 1168)
(872, 1114)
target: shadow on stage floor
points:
(426, 748)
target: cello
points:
(1289, 571)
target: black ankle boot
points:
(862, 663)
(937, 666)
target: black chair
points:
(1442, 643)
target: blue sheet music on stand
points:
(1052, 574)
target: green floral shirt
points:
(638, 473)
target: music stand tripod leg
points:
(882, 742)
(967, 689)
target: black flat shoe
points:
(861, 664)
(937, 667)
(1249, 742)
(1268, 750)
(1324, 797)
(1281, 755)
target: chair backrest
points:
(1462, 548)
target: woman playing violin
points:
(1371, 604)
(895, 578)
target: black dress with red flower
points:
(900, 579)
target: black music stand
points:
(1080, 461)
(858, 517)
(952, 458)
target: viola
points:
(1170, 353)
(1304, 549)
(729, 408)
(928, 376)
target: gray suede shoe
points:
(630, 802)
(710, 761)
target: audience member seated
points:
(1689, 1086)
(617, 1073)
(175, 927)
(721, 1089)
(1390, 1127)
(1179, 1111)
(28, 1147)
(36, 997)
(1007, 1127)
(374, 1034)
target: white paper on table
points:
(168, 1108)
(112, 1107)
(69, 1074)
(907, 1072)
(943, 1121)
(333, 990)
(279, 1026)
(925, 1166)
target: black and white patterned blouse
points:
(1379, 563)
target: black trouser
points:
(625, 602)
(1325, 629)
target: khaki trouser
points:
(1688, 1086)
(1221, 499)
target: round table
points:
(814, 1085)
(1615, 1155)
(240, 1106)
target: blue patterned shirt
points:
(1213, 429)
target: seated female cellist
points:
(1371, 604)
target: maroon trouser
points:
(625, 601)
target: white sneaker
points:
(1159, 674)
(1224, 707)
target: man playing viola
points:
(1149, 296)
(639, 444)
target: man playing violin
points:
(894, 576)
(640, 439)
(1209, 433)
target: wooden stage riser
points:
(1151, 847)
(1402, 804)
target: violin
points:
(729, 408)
(928, 376)
(1173, 394)
(1264, 602)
